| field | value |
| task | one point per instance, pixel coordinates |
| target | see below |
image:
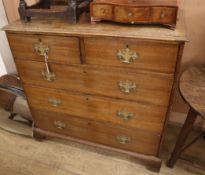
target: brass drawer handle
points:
(54, 101)
(127, 86)
(43, 50)
(127, 56)
(122, 139)
(125, 115)
(59, 125)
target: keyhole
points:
(162, 14)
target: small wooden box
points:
(135, 11)
(66, 9)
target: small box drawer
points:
(107, 110)
(131, 53)
(131, 15)
(63, 50)
(165, 15)
(135, 140)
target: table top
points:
(192, 88)
(59, 26)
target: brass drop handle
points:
(54, 101)
(125, 115)
(127, 86)
(123, 139)
(59, 125)
(43, 50)
(127, 56)
(49, 76)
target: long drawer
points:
(128, 139)
(61, 49)
(107, 110)
(131, 53)
(149, 88)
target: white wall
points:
(6, 59)
(2, 66)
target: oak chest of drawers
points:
(104, 85)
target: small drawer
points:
(102, 11)
(63, 50)
(132, 53)
(132, 15)
(134, 140)
(107, 110)
(150, 88)
(164, 15)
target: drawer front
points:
(132, 15)
(102, 11)
(148, 88)
(63, 50)
(133, 140)
(106, 110)
(164, 15)
(130, 53)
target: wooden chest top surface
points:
(84, 28)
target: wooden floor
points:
(24, 156)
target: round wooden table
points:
(192, 89)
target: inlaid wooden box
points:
(135, 11)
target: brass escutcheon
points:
(123, 139)
(127, 86)
(54, 101)
(41, 49)
(127, 56)
(59, 124)
(125, 115)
